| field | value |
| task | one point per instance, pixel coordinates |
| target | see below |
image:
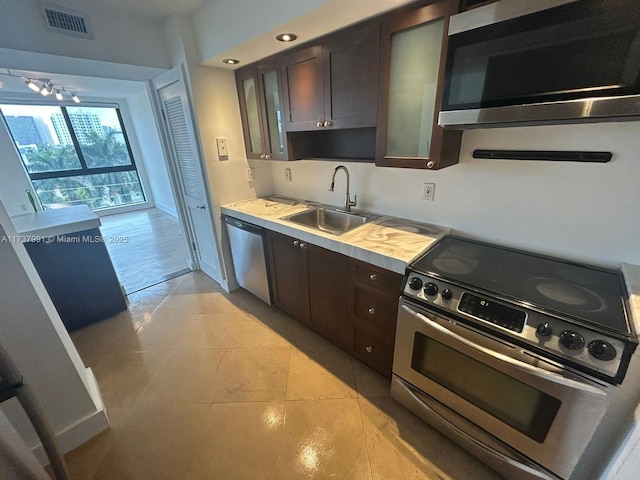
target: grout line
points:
(364, 437)
(166, 278)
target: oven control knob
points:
(572, 340)
(544, 329)
(415, 283)
(446, 294)
(602, 350)
(431, 289)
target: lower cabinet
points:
(310, 284)
(372, 314)
(328, 293)
(350, 303)
(289, 278)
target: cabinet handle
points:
(369, 349)
(319, 124)
(430, 164)
(302, 245)
(373, 277)
(328, 123)
(262, 156)
(296, 243)
(267, 157)
(372, 311)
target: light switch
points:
(223, 150)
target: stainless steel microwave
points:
(518, 62)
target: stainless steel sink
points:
(331, 221)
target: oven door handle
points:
(539, 372)
(417, 396)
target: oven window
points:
(517, 404)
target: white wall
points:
(34, 337)
(580, 211)
(118, 39)
(148, 141)
(14, 179)
(217, 114)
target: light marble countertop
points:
(387, 242)
(58, 221)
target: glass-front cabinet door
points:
(275, 138)
(260, 98)
(412, 72)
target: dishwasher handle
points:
(242, 225)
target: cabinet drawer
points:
(383, 280)
(372, 345)
(370, 306)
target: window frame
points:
(86, 170)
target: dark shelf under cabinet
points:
(353, 144)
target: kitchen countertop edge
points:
(51, 223)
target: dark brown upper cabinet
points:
(333, 85)
(412, 59)
(261, 109)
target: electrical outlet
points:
(251, 174)
(287, 174)
(223, 149)
(429, 191)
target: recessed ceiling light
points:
(230, 61)
(286, 37)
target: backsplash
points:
(585, 212)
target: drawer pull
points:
(302, 245)
(373, 277)
(372, 311)
(369, 349)
(296, 243)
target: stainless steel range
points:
(514, 355)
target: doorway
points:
(146, 247)
(83, 154)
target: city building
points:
(29, 130)
(82, 123)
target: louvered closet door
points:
(190, 176)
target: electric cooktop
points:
(592, 295)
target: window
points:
(75, 155)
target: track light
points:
(47, 87)
(32, 85)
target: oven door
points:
(528, 404)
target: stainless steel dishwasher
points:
(247, 250)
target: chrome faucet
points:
(347, 201)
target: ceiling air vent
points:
(66, 21)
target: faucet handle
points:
(354, 203)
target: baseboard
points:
(82, 431)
